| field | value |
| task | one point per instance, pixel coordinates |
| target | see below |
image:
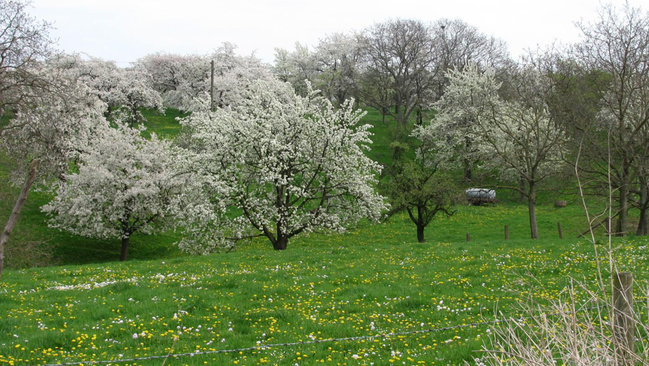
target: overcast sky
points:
(125, 30)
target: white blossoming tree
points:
(124, 89)
(135, 91)
(125, 184)
(337, 58)
(519, 137)
(56, 121)
(288, 164)
(459, 113)
(183, 79)
(297, 66)
(177, 78)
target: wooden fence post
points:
(623, 318)
(559, 228)
(468, 237)
(506, 232)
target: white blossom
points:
(182, 80)
(124, 89)
(517, 137)
(288, 164)
(124, 184)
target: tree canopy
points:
(289, 164)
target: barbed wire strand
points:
(299, 343)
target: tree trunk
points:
(467, 162)
(13, 217)
(401, 124)
(420, 224)
(643, 224)
(467, 170)
(418, 221)
(280, 243)
(124, 253)
(400, 113)
(534, 230)
(212, 107)
(420, 233)
(623, 214)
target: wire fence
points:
(316, 341)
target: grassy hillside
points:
(33, 243)
(47, 246)
(373, 280)
(164, 125)
(376, 279)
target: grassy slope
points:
(66, 248)
(373, 279)
(32, 228)
(164, 125)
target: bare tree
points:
(23, 42)
(458, 44)
(400, 52)
(616, 48)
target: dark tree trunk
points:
(13, 217)
(420, 233)
(124, 253)
(643, 224)
(467, 162)
(534, 230)
(400, 113)
(134, 118)
(280, 243)
(467, 171)
(419, 222)
(421, 225)
(401, 124)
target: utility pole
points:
(212, 87)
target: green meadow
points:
(370, 282)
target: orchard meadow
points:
(316, 210)
(372, 281)
(375, 279)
